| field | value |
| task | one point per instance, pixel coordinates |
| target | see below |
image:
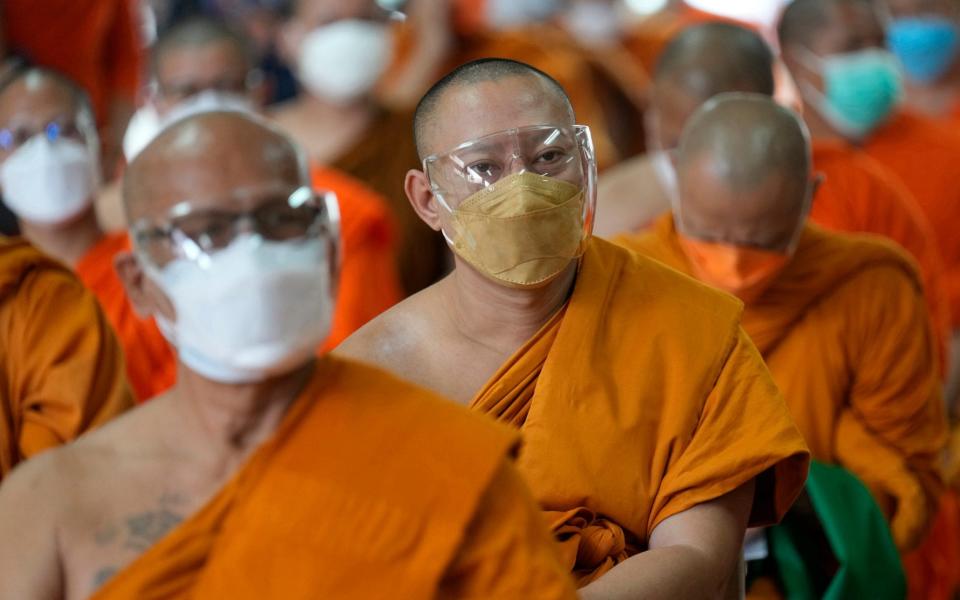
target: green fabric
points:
(866, 560)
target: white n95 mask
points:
(344, 60)
(50, 182)
(254, 310)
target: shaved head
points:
(744, 166)
(200, 31)
(803, 20)
(37, 80)
(205, 159)
(713, 58)
(428, 116)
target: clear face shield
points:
(253, 289)
(518, 205)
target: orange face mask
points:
(739, 270)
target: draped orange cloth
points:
(924, 154)
(62, 368)
(369, 281)
(642, 398)
(846, 334)
(370, 488)
(151, 363)
(94, 42)
(859, 195)
(368, 284)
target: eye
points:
(552, 156)
(484, 169)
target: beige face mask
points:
(521, 231)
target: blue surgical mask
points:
(926, 46)
(862, 89)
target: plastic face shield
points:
(552, 152)
(78, 126)
(279, 214)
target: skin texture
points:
(454, 335)
(29, 103)
(92, 508)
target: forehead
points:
(851, 25)
(33, 98)
(469, 111)
(909, 7)
(317, 12)
(212, 58)
(211, 171)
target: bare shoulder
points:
(396, 339)
(628, 197)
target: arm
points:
(692, 554)
(507, 552)
(69, 370)
(29, 560)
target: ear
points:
(146, 296)
(816, 180)
(424, 202)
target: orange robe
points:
(368, 284)
(381, 160)
(151, 363)
(62, 368)
(859, 195)
(94, 42)
(924, 154)
(370, 488)
(846, 334)
(632, 404)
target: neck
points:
(500, 317)
(820, 128)
(235, 419)
(68, 243)
(936, 100)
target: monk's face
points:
(671, 104)
(311, 14)
(30, 105)
(188, 69)
(765, 215)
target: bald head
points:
(213, 160)
(197, 55)
(474, 80)
(804, 22)
(713, 58)
(744, 168)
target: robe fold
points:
(924, 155)
(859, 195)
(631, 401)
(62, 368)
(846, 334)
(370, 488)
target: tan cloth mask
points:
(522, 231)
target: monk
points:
(265, 473)
(62, 366)
(629, 382)
(97, 43)
(202, 65)
(857, 106)
(857, 194)
(923, 34)
(869, 398)
(346, 54)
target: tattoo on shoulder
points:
(103, 575)
(140, 531)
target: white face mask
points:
(146, 124)
(254, 310)
(50, 182)
(505, 14)
(344, 60)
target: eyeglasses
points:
(12, 138)
(280, 216)
(561, 152)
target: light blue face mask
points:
(862, 89)
(926, 46)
